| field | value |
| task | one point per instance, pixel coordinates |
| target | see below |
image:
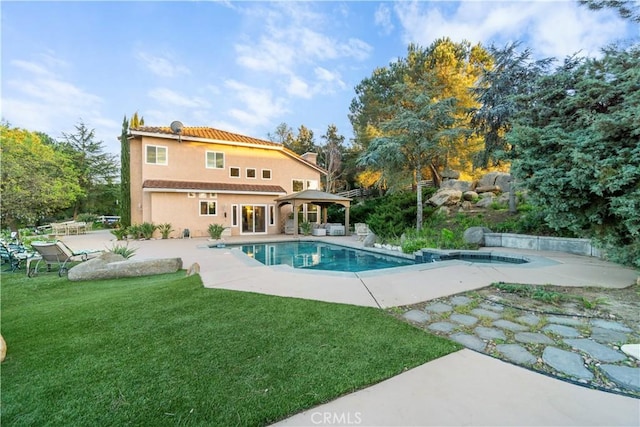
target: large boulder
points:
(446, 197)
(450, 174)
(475, 235)
(470, 196)
(485, 202)
(502, 180)
(3, 349)
(456, 184)
(112, 266)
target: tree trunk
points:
(512, 196)
(435, 176)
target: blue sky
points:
(245, 66)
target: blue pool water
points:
(320, 256)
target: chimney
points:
(311, 157)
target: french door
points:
(254, 218)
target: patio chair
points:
(57, 253)
(15, 255)
(362, 230)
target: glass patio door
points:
(254, 219)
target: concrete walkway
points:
(464, 388)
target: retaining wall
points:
(542, 243)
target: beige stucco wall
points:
(187, 162)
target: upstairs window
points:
(298, 185)
(215, 160)
(156, 155)
(251, 173)
(266, 173)
(234, 172)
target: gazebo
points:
(315, 197)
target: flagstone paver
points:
(596, 350)
(566, 362)
(562, 330)
(439, 308)
(569, 321)
(516, 353)
(417, 316)
(464, 319)
(624, 376)
(565, 346)
(492, 307)
(608, 324)
(533, 338)
(608, 336)
(445, 327)
(489, 333)
(469, 341)
(460, 300)
(483, 312)
(509, 325)
(529, 319)
(632, 350)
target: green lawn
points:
(166, 351)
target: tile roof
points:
(221, 135)
(212, 186)
(208, 133)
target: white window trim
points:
(239, 172)
(207, 201)
(255, 173)
(166, 149)
(270, 174)
(311, 184)
(206, 159)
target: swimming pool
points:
(321, 256)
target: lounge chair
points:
(57, 253)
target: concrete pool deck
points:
(464, 388)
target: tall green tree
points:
(448, 69)
(331, 158)
(628, 9)
(511, 76)
(304, 142)
(125, 174)
(418, 120)
(37, 180)
(283, 135)
(94, 166)
(579, 149)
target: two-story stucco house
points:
(201, 176)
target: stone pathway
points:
(598, 353)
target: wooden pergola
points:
(315, 197)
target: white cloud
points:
(382, 19)
(169, 97)
(549, 28)
(298, 87)
(31, 67)
(162, 66)
(41, 100)
(260, 105)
